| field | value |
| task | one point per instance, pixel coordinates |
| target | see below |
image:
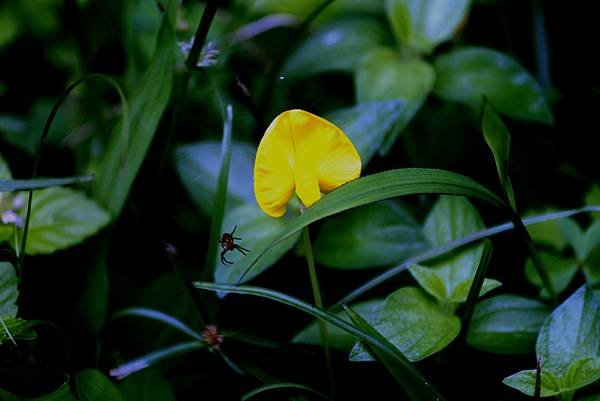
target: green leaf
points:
(568, 345)
(282, 386)
(382, 75)
(8, 292)
(93, 302)
(257, 231)
(92, 385)
(498, 139)
(592, 197)
(590, 398)
(423, 24)
(40, 183)
(374, 235)
(337, 46)
(449, 279)
(124, 156)
(390, 364)
(5, 173)
(373, 188)
(506, 324)
(414, 323)
(61, 218)
(198, 163)
(368, 124)
(561, 271)
(468, 74)
(147, 385)
(524, 381)
(419, 385)
(547, 233)
(160, 317)
(13, 329)
(339, 338)
(574, 236)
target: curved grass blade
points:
(152, 358)
(160, 317)
(122, 160)
(282, 386)
(475, 289)
(380, 186)
(41, 183)
(46, 131)
(498, 140)
(476, 236)
(220, 197)
(419, 384)
(391, 364)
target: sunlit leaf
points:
(92, 385)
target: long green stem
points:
(314, 282)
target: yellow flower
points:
(304, 153)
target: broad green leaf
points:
(414, 323)
(468, 74)
(423, 24)
(574, 236)
(568, 345)
(124, 156)
(547, 233)
(198, 167)
(373, 188)
(383, 75)
(591, 268)
(449, 279)
(592, 197)
(92, 385)
(390, 364)
(304, 8)
(92, 305)
(368, 124)
(506, 324)
(374, 235)
(591, 239)
(498, 139)
(40, 183)
(337, 46)
(257, 231)
(339, 338)
(419, 384)
(282, 386)
(8, 292)
(561, 271)
(571, 332)
(5, 173)
(19, 329)
(147, 385)
(524, 381)
(61, 218)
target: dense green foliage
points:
(454, 268)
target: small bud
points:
(211, 336)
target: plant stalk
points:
(314, 282)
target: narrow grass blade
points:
(40, 183)
(154, 357)
(376, 187)
(420, 385)
(469, 239)
(282, 386)
(220, 197)
(406, 377)
(475, 289)
(498, 140)
(123, 158)
(160, 317)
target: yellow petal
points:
(273, 175)
(303, 152)
(324, 152)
